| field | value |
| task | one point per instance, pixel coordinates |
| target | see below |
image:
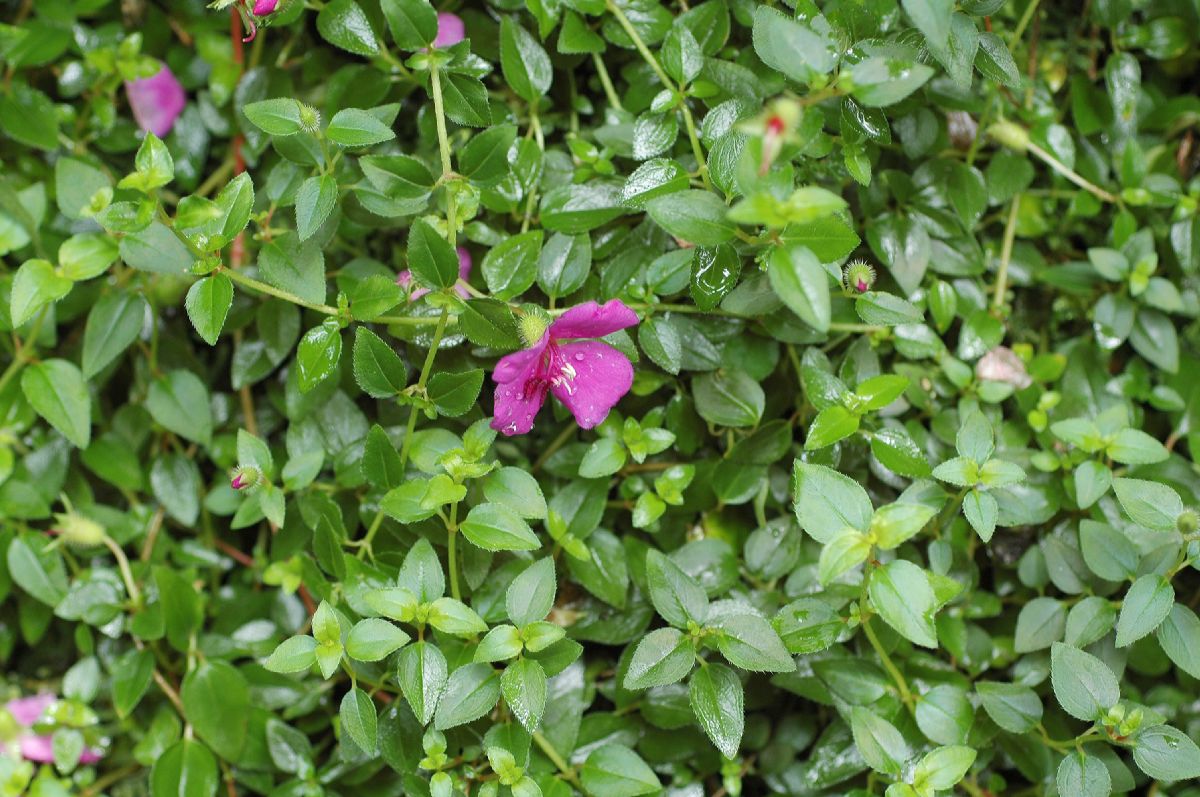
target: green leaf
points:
(801, 282)
(1014, 708)
(604, 457)
(716, 697)
(511, 267)
(421, 674)
(315, 200)
(530, 596)
(208, 302)
(433, 261)
(523, 685)
(353, 127)
(878, 741)
(491, 323)
(37, 569)
(828, 502)
(413, 23)
(982, 512)
(1179, 636)
(894, 524)
(495, 527)
(471, 692)
(694, 216)
(298, 269)
(1166, 753)
(676, 596)
(344, 24)
(36, 285)
(378, 370)
(359, 719)
(564, 263)
(318, 354)
(373, 639)
(1041, 623)
(455, 393)
(484, 160)
(282, 116)
(1085, 687)
(57, 391)
(1146, 605)
(831, 425)
(901, 593)
(842, 554)
(1081, 775)
(1151, 504)
(466, 101)
(83, 257)
(749, 642)
(131, 676)
(791, 47)
(185, 769)
(526, 66)
(295, 654)
(662, 657)
(882, 80)
(885, 309)
(516, 489)
(216, 700)
(729, 398)
(943, 767)
(616, 771)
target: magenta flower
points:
(450, 30)
(589, 377)
(404, 278)
(25, 712)
(156, 101)
(264, 7)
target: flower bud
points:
(75, 529)
(858, 276)
(532, 326)
(1010, 135)
(310, 118)
(244, 476)
(1188, 521)
(264, 7)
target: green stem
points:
(1022, 24)
(901, 684)
(270, 290)
(21, 358)
(1072, 175)
(606, 82)
(406, 446)
(452, 548)
(563, 767)
(1006, 248)
(648, 57)
(439, 112)
(135, 594)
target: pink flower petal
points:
(90, 756)
(27, 710)
(520, 366)
(37, 748)
(450, 30)
(264, 7)
(517, 404)
(591, 320)
(602, 376)
(156, 101)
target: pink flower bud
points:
(244, 477)
(264, 7)
(156, 101)
(450, 30)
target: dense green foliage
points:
(898, 495)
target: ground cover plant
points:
(599, 397)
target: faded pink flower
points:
(588, 376)
(404, 278)
(1002, 364)
(450, 30)
(264, 7)
(156, 101)
(25, 712)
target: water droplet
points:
(578, 357)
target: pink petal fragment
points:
(450, 30)
(37, 748)
(264, 7)
(90, 756)
(591, 320)
(27, 710)
(156, 101)
(602, 375)
(520, 366)
(517, 404)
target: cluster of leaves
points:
(921, 525)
